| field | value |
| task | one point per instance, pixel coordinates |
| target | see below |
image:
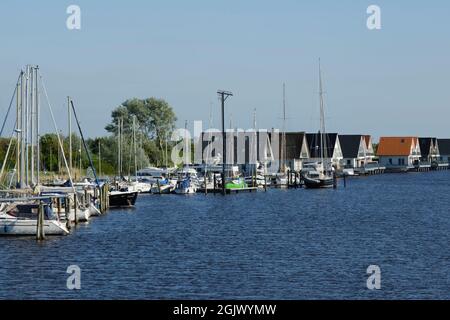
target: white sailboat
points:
(322, 175)
(23, 221)
(22, 216)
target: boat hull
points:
(164, 189)
(83, 215)
(189, 190)
(122, 199)
(28, 227)
(318, 183)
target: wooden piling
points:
(40, 233)
(67, 210)
(75, 204)
(215, 183)
(58, 206)
(159, 186)
(334, 180)
(223, 183)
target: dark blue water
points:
(283, 244)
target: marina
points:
(218, 159)
(250, 246)
(34, 205)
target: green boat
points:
(238, 183)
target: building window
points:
(390, 161)
(349, 162)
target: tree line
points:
(148, 140)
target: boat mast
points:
(99, 159)
(283, 137)
(69, 118)
(118, 147)
(18, 129)
(166, 156)
(37, 127)
(84, 144)
(255, 150)
(80, 160)
(208, 148)
(32, 125)
(22, 132)
(323, 144)
(185, 144)
(134, 146)
(27, 123)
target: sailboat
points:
(281, 179)
(21, 215)
(21, 219)
(322, 175)
(188, 182)
(122, 196)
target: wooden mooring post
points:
(58, 206)
(334, 180)
(215, 183)
(67, 209)
(158, 184)
(40, 233)
(75, 204)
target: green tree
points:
(155, 118)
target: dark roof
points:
(245, 150)
(294, 144)
(350, 145)
(314, 139)
(425, 146)
(444, 146)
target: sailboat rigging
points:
(322, 176)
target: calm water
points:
(283, 244)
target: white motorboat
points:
(18, 222)
(82, 215)
(94, 211)
(164, 186)
(186, 186)
(140, 186)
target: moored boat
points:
(186, 186)
(238, 183)
(122, 198)
(315, 180)
(22, 220)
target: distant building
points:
(357, 150)
(399, 153)
(444, 150)
(242, 147)
(330, 150)
(295, 152)
(429, 149)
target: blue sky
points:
(388, 82)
